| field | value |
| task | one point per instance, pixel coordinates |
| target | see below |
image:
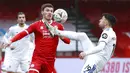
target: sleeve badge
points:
(104, 35)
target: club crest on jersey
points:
(41, 27)
(104, 35)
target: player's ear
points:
(17, 20)
(42, 12)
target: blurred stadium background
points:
(84, 16)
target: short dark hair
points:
(112, 19)
(46, 5)
(20, 13)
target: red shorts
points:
(41, 65)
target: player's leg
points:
(6, 61)
(10, 66)
(19, 70)
(48, 67)
(90, 65)
(24, 65)
(93, 64)
(80, 36)
(35, 66)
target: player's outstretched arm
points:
(96, 49)
(19, 36)
(22, 34)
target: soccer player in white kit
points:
(19, 54)
(95, 56)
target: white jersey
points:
(109, 37)
(21, 46)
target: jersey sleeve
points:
(105, 36)
(31, 28)
(60, 27)
(96, 49)
(9, 34)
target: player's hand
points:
(50, 28)
(82, 55)
(2, 45)
(8, 44)
(5, 44)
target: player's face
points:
(21, 19)
(102, 22)
(47, 13)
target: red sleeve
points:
(60, 27)
(22, 34)
(19, 36)
(64, 39)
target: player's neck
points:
(106, 27)
(21, 25)
(47, 20)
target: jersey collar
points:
(107, 29)
(49, 22)
(24, 25)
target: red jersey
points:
(45, 44)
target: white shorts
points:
(11, 64)
(93, 64)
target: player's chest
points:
(42, 30)
(17, 30)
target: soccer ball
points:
(60, 15)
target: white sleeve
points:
(96, 49)
(8, 34)
(104, 37)
(32, 37)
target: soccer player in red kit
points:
(45, 44)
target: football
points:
(60, 15)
